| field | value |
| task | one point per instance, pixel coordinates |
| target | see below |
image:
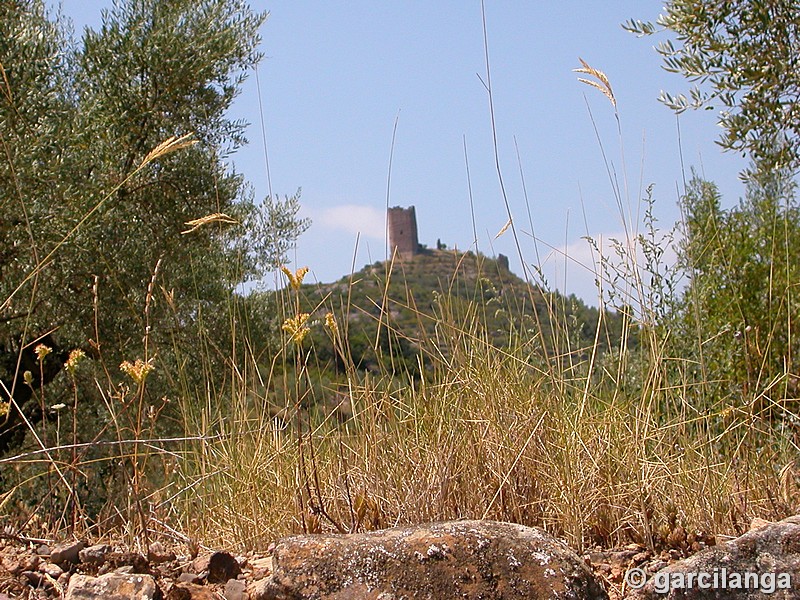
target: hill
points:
(394, 314)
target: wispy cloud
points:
(353, 218)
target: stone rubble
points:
(113, 586)
(460, 559)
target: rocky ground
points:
(29, 570)
(474, 559)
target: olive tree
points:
(738, 314)
(743, 57)
(111, 240)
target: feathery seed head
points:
(603, 84)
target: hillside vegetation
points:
(400, 307)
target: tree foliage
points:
(94, 241)
(741, 308)
(737, 315)
(744, 58)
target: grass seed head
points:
(296, 278)
(330, 323)
(296, 327)
(168, 146)
(602, 83)
(196, 224)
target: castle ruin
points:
(502, 262)
(402, 223)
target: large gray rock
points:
(762, 564)
(113, 586)
(462, 559)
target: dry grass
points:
(604, 452)
(486, 435)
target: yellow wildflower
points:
(3, 408)
(75, 356)
(41, 351)
(27, 377)
(296, 278)
(138, 370)
(296, 327)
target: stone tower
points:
(403, 231)
(502, 261)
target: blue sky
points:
(337, 75)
